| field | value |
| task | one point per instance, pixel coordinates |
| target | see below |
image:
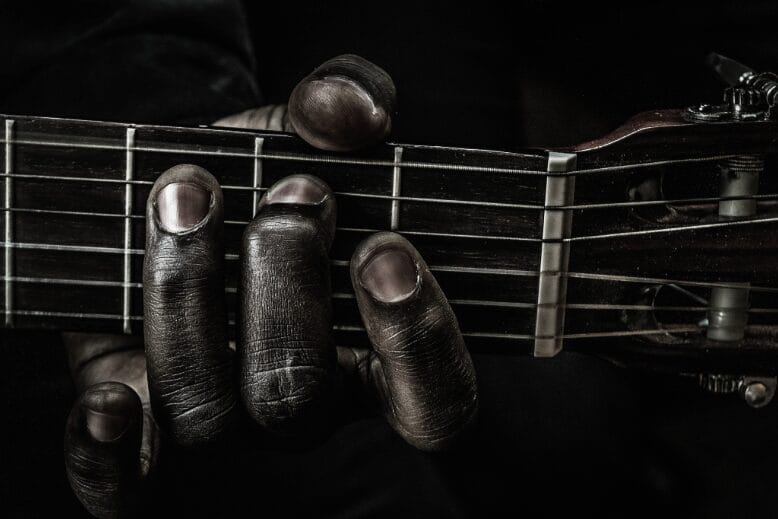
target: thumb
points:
(346, 104)
(268, 117)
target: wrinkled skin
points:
(183, 388)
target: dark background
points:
(573, 432)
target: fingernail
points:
(296, 190)
(181, 206)
(105, 427)
(390, 276)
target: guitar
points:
(654, 246)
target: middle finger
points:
(287, 360)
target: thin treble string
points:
(291, 157)
(650, 164)
(326, 159)
(505, 205)
(676, 229)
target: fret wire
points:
(8, 236)
(129, 169)
(394, 223)
(259, 143)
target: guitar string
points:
(605, 205)
(453, 301)
(457, 167)
(325, 159)
(623, 234)
(671, 329)
(455, 269)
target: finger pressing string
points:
(189, 361)
(425, 375)
(287, 359)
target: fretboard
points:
(73, 218)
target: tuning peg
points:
(729, 70)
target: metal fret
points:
(128, 176)
(259, 142)
(8, 231)
(554, 256)
(396, 187)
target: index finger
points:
(184, 321)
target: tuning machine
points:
(755, 391)
(750, 96)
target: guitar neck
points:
(75, 192)
(531, 248)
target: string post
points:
(728, 307)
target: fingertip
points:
(387, 268)
(109, 410)
(307, 194)
(184, 198)
(345, 104)
(426, 376)
(287, 362)
(103, 449)
(185, 324)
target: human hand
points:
(285, 382)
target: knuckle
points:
(285, 380)
(428, 331)
(196, 411)
(274, 231)
(439, 431)
(170, 265)
(431, 378)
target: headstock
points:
(692, 228)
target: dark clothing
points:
(569, 433)
(133, 60)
